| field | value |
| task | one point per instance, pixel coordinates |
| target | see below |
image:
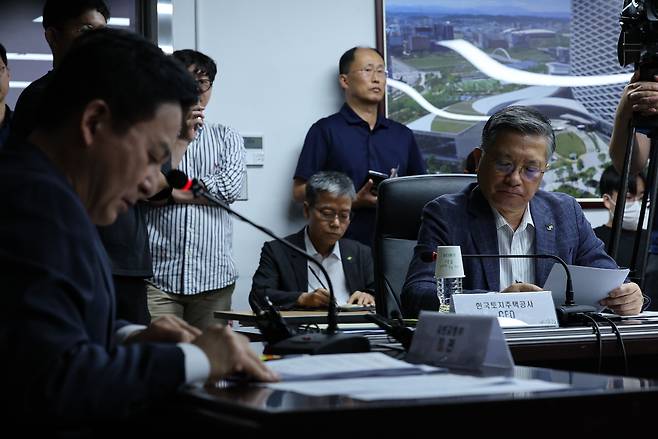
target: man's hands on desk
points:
(228, 353)
(319, 298)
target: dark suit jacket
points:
(60, 357)
(466, 219)
(282, 274)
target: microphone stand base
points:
(316, 343)
(572, 315)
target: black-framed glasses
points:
(203, 84)
(330, 215)
(527, 172)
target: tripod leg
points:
(613, 243)
(652, 187)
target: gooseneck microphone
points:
(330, 341)
(568, 313)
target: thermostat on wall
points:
(253, 145)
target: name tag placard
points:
(534, 308)
(472, 343)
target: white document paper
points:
(416, 387)
(313, 367)
(590, 285)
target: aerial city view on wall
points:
(464, 60)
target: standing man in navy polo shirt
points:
(358, 139)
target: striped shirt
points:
(191, 244)
(516, 242)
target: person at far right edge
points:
(639, 97)
(506, 213)
(359, 139)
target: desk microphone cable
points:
(620, 339)
(597, 331)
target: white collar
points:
(525, 221)
(310, 248)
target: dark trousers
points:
(131, 299)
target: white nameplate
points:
(533, 308)
(472, 343)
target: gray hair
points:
(524, 120)
(334, 183)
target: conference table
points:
(565, 348)
(591, 403)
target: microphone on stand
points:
(569, 313)
(329, 342)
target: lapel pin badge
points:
(349, 258)
(549, 227)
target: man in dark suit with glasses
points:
(289, 281)
(506, 213)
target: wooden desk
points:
(593, 403)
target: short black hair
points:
(611, 179)
(203, 62)
(130, 74)
(3, 54)
(346, 60)
(57, 12)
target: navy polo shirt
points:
(345, 143)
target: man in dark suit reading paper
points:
(289, 281)
(109, 117)
(506, 213)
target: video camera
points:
(638, 41)
(638, 45)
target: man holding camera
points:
(638, 97)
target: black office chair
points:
(399, 206)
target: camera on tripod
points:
(638, 45)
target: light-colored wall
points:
(277, 75)
(278, 63)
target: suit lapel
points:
(350, 266)
(545, 237)
(299, 266)
(485, 240)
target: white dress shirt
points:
(334, 266)
(197, 364)
(516, 242)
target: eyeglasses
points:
(330, 215)
(369, 70)
(203, 84)
(527, 172)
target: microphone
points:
(329, 342)
(568, 313)
(394, 327)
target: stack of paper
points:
(316, 367)
(416, 387)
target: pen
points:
(319, 280)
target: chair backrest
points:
(399, 207)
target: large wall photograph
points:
(451, 64)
